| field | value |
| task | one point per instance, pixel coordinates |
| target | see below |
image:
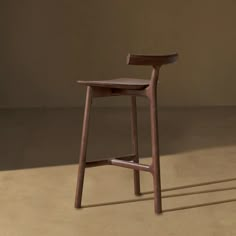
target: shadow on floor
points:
(48, 137)
(177, 195)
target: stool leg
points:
(135, 144)
(83, 147)
(155, 154)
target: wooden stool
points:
(132, 87)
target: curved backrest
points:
(148, 60)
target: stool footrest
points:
(129, 157)
(130, 165)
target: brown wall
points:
(47, 45)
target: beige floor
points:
(39, 200)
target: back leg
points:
(135, 144)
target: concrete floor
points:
(39, 152)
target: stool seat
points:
(121, 83)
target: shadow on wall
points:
(41, 137)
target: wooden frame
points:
(132, 160)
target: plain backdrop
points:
(47, 45)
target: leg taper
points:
(155, 153)
(83, 147)
(135, 144)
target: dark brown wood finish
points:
(131, 165)
(122, 83)
(155, 166)
(134, 130)
(145, 60)
(133, 88)
(83, 148)
(108, 160)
